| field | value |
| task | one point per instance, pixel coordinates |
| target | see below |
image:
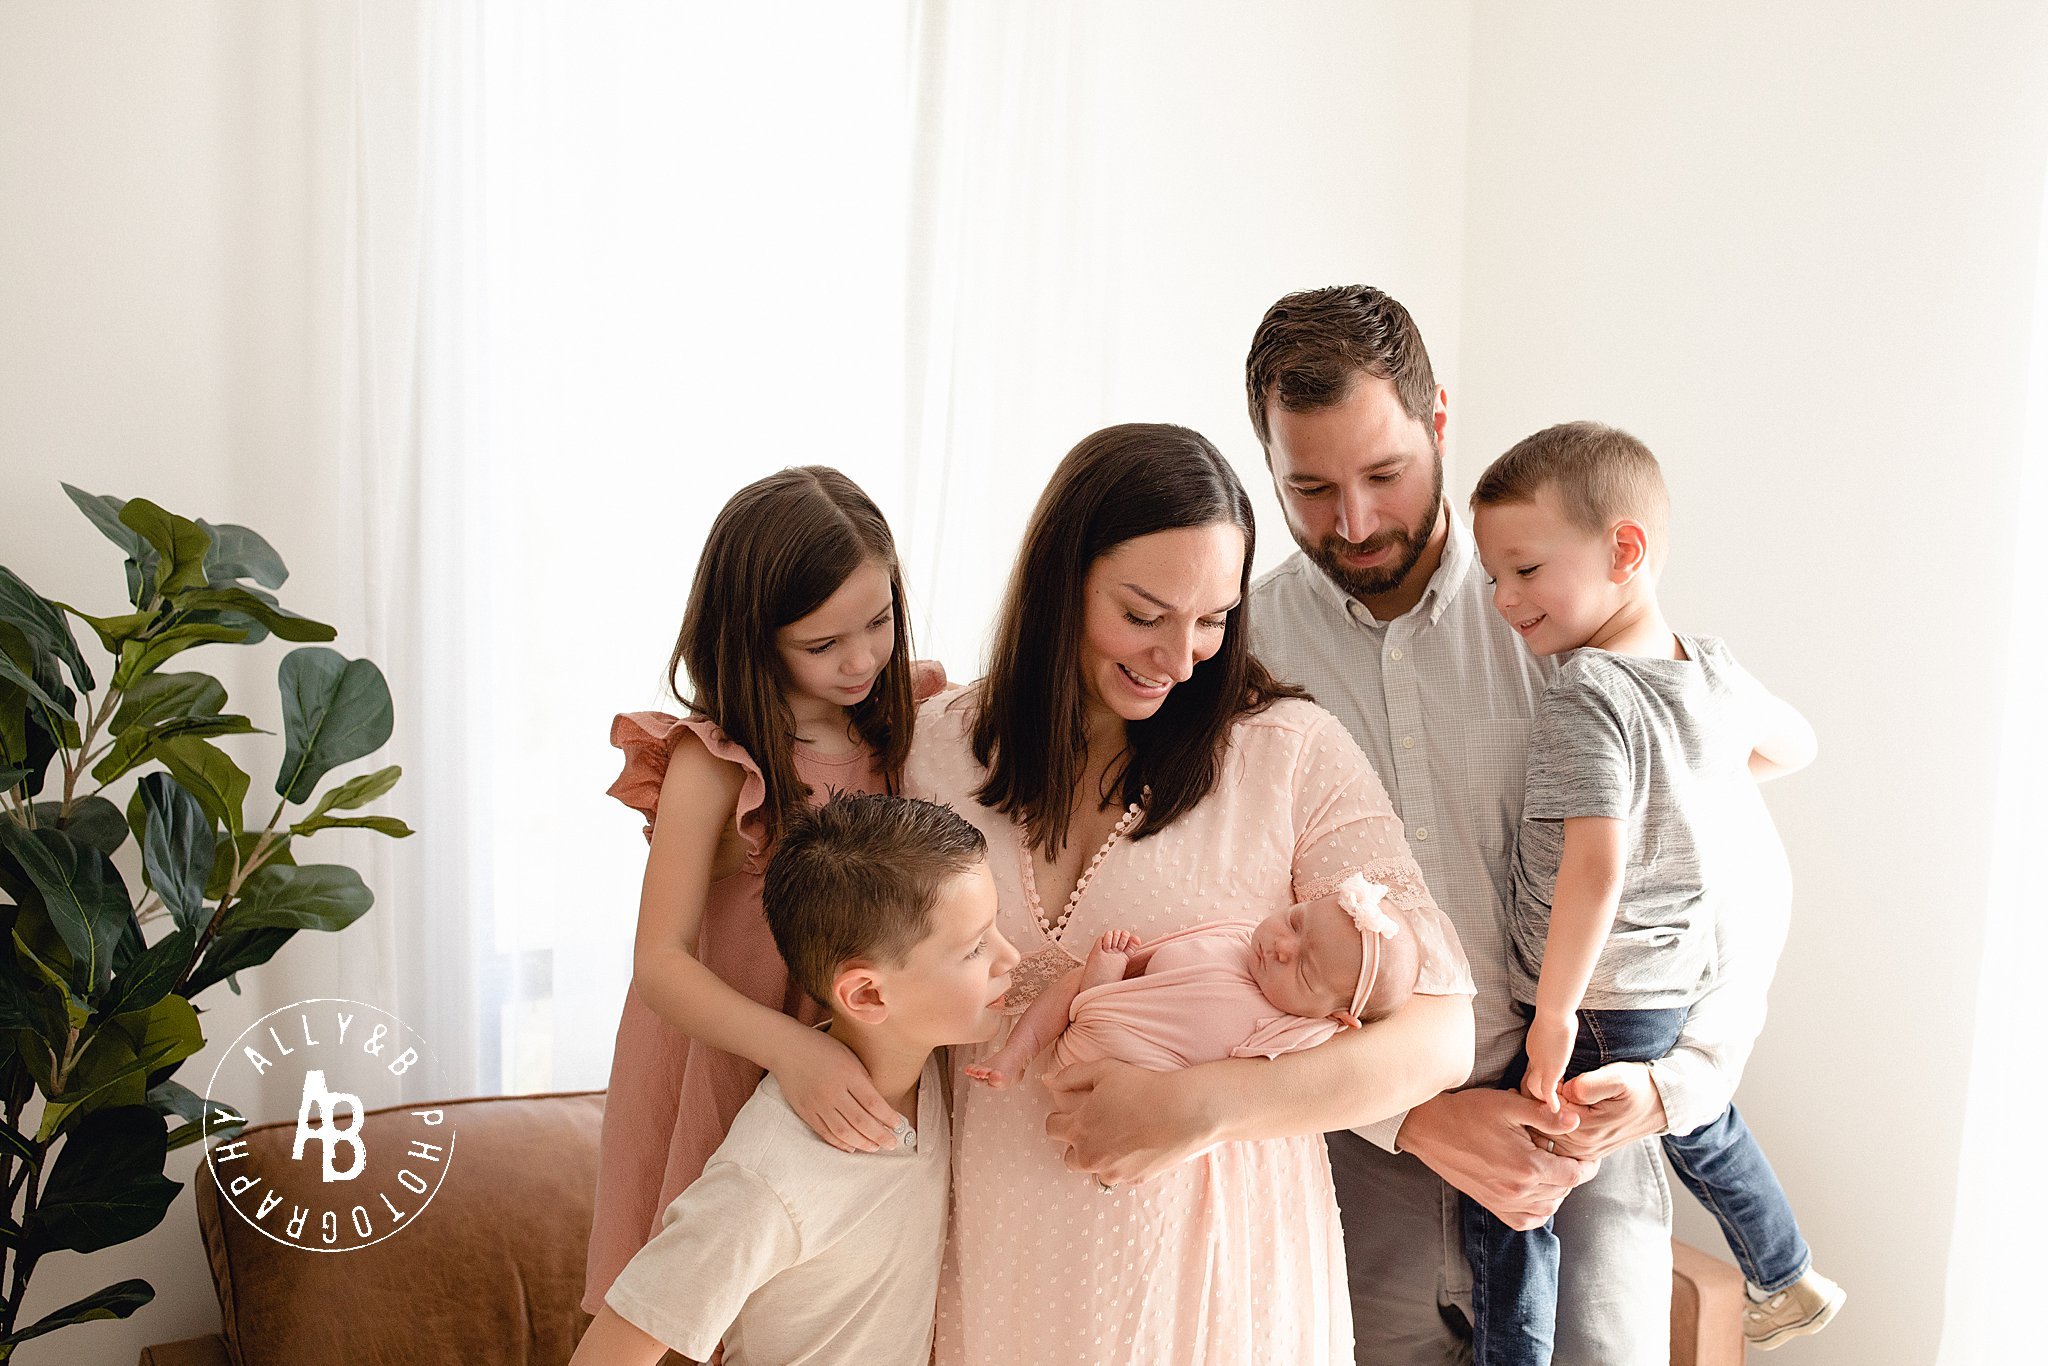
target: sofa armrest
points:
(211, 1350)
(1706, 1309)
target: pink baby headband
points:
(1360, 900)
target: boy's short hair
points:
(1600, 474)
(857, 878)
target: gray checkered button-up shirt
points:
(1440, 699)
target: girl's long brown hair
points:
(1031, 728)
(779, 548)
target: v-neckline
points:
(1053, 929)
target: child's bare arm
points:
(1785, 741)
(1046, 1016)
(1582, 908)
(612, 1341)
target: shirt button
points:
(1394, 653)
(1422, 834)
(1407, 742)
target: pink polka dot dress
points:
(1235, 1256)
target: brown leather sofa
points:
(494, 1271)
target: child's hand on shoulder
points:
(829, 1090)
(1549, 1045)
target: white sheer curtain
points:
(1997, 1262)
(693, 264)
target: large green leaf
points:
(383, 825)
(180, 544)
(180, 1102)
(28, 1002)
(14, 674)
(165, 697)
(241, 602)
(116, 1301)
(177, 850)
(233, 951)
(93, 820)
(358, 791)
(43, 623)
(105, 512)
(133, 748)
(208, 775)
(85, 897)
(115, 1068)
(107, 1184)
(140, 658)
(335, 710)
(114, 632)
(239, 553)
(316, 896)
(151, 976)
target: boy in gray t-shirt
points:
(787, 1249)
(1640, 799)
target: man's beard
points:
(1371, 583)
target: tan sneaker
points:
(1803, 1307)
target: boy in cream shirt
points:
(787, 1249)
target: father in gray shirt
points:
(1385, 617)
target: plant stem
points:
(95, 719)
(24, 1261)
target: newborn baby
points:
(1230, 988)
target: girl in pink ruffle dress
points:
(1225, 989)
(797, 654)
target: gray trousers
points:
(1411, 1290)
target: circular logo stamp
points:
(358, 1165)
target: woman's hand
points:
(830, 1091)
(1124, 1123)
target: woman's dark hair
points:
(1030, 732)
(777, 551)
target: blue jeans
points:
(1514, 1274)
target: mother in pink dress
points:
(1133, 765)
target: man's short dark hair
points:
(857, 878)
(1312, 346)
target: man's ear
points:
(857, 993)
(1440, 415)
(1631, 546)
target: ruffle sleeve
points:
(1345, 824)
(648, 738)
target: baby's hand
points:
(995, 1078)
(1121, 942)
(1549, 1046)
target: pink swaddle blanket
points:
(1196, 1002)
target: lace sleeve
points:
(1344, 823)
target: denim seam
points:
(1705, 1195)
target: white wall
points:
(1792, 247)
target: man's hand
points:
(1480, 1142)
(1124, 1123)
(1621, 1106)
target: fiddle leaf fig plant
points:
(117, 767)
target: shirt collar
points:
(1459, 558)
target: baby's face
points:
(1305, 959)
